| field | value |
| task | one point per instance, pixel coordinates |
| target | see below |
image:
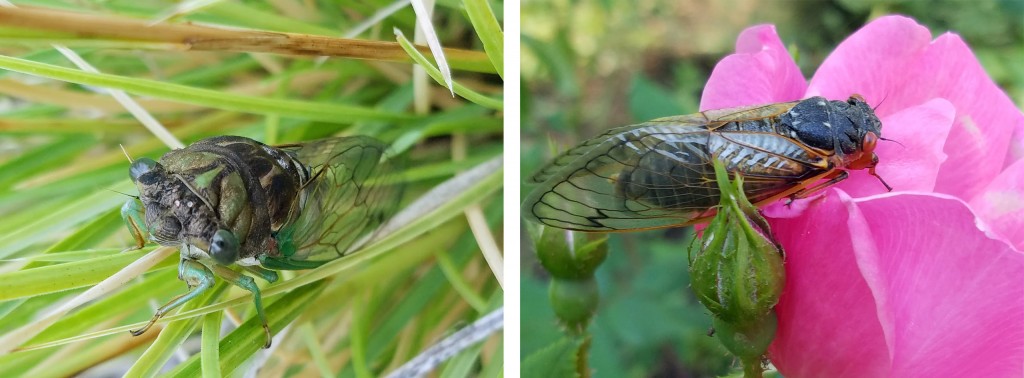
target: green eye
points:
(224, 247)
(139, 167)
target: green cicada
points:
(231, 200)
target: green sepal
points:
(574, 302)
(737, 272)
(570, 255)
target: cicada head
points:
(867, 131)
(866, 125)
(152, 181)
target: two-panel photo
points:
(488, 188)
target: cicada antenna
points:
(125, 194)
(892, 140)
(126, 153)
(880, 103)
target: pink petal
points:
(912, 160)
(985, 118)
(950, 297)
(1001, 204)
(760, 72)
(873, 62)
(1016, 150)
(828, 326)
(897, 285)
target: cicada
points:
(231, 203)
(661, 174)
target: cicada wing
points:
(707, 118)
(639, 177)
(660, 174)
(353, 190)
(567, 157)
(747, 113)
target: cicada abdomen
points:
(353, 190)
(660, 173)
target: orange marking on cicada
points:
(869, 159)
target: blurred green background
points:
(589, 65)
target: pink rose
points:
(927, 280)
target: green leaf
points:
(649, 101)
(557, 360)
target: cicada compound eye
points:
(139, 167)
(224, 247)
(869, 142)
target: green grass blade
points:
(326, 112)
(434, 73)
(241, 343)
(172, 336)
(210, 357)
(56, 278)
(489, 32)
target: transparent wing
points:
(659, 174)
(709, 119)
(353, 190)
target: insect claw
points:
(871, 171)
(266, 331)
(140, 331)
(887, 187)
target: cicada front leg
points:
(198, 278)
(249, 284)
(134, 217)
(833, 178)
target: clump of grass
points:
(249, 69)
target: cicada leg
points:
(833, 178)
(198, 278)
(266, 274)
(134, 217)
(249, 284)
(285, 263)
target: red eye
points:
(868, 144)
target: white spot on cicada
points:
(795, 114)
(821, 103)
(828, 125)
(177, 203)
(190, 204)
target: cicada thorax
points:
(226, 183)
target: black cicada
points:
(231, 200)
(660, 173)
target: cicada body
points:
(234, 201)
(661, 174)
